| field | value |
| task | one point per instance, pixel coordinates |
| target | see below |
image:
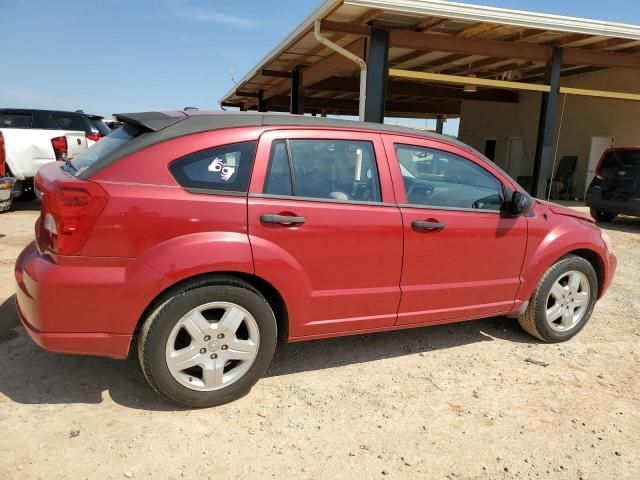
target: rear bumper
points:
(90, 306)
(594, 200)
(99, 344)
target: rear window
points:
(104, 147)
(72, 122)
(621, 158)
(15, 120)
(226, 168)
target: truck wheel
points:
(562, 302)
(207, 343)
(602, 216)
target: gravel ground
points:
(455, 401)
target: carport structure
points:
(492, 67)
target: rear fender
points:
(198, 253)
(279, 268)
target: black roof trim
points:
(40, 110)
(156, 127)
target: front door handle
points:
(428, 226)
(281, 219)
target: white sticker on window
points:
(226, 171)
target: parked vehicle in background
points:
(7, 184)
(112, 123)
(615, 188)
(99, 129)
(33, 138)
(201, 237)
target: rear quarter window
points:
(220, 169)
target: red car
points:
(196, 239)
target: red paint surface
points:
(350, 268)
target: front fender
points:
(198, 253)
(546, 246)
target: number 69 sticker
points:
(226, 171)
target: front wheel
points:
(562, 302)
(602, 216)
(208, 343)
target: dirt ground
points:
(456, 401)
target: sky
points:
(107, 56)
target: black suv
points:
(93, 125)
(615, 189)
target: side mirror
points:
(520, 203)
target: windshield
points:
(104, 147)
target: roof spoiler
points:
(151, 121)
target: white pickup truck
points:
(31, 138)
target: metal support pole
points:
(262, 104)
(377, 73)
(297, 92)
(546, 127)
(440, 124)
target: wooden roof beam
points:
(501, 49)
(433, 107)
(417, 89)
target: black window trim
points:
(501, 212)
(322, 200)
(314, 199)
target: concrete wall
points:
(584, 117)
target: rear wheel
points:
(602, 216)
(208, 343)
(563, 301)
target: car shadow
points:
(30, 375)
(20, 205)
(622, 223)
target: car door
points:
(325, 229)
(462, 254)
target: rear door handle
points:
(281, 219)
(424, 225)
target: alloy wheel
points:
(212, 346)
(568, 301)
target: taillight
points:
(60, 148)
(69, 213)
(93, 136)
(3, 157)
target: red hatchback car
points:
(197, 238)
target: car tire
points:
(551, 298)
(602, 216)
(227, 361)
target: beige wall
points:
(584, 117)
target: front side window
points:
(436, 178)
(226, 168)
(324, 169)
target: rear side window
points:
(100, 126)
(324, 169)
(15, 120)
(226, 168)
